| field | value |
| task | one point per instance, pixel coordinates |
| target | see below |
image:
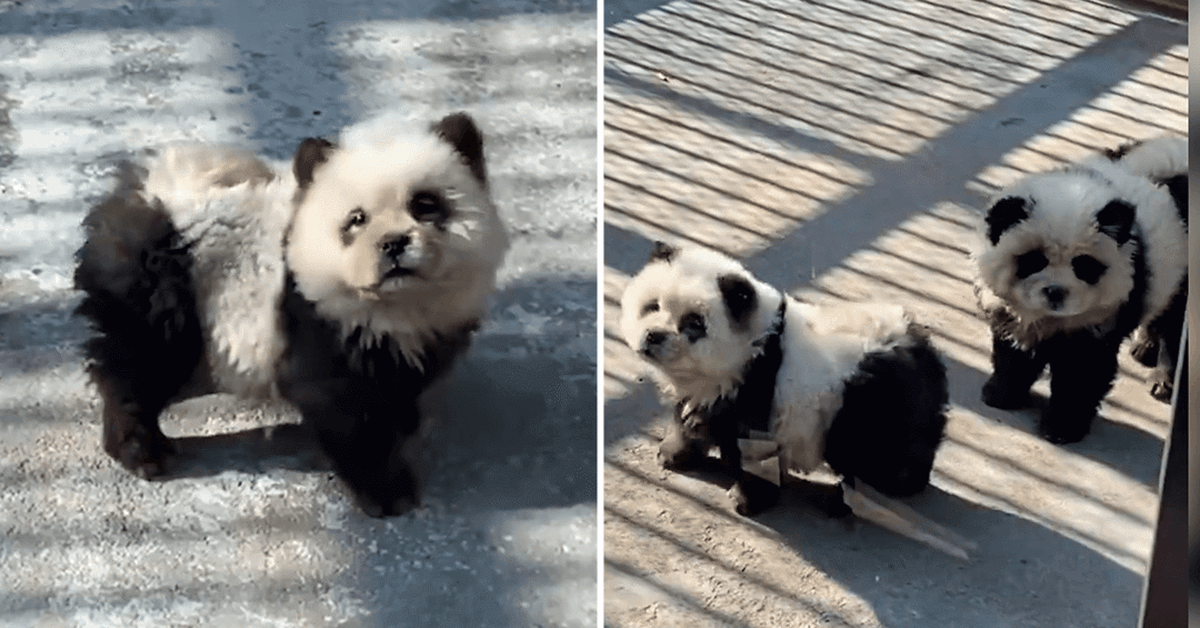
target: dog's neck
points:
(750, 400)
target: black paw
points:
(388, 498)
(1145, 350)
(997, 395)
(1062, 428)
(678, 453)
(752, 495)
(1162, 390)
(145, 452)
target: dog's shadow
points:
(909, 584)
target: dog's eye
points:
(692, 326)
(1088, 269)
(650, 308)
(1030, 263)
(427, 206)
(357, 218)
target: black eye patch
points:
(1088, 269)
(692, 326)
(354, 222)
(428, 206)
(1030, 263)
(650, 308)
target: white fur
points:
(236, 239)
(1062, 222)
(377, 172)
(240, 217)
(822, 345)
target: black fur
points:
(1116, 220)
(311, 153)
(730, 418)
(1083, 363)
(1005, 213)
(139, 296)
(886, 434)
(1119, 152)
(360, 400)
(460, 131)
(1178, 187)
(740, 299)
(663, 252)
(892, 419)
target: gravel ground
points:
(254, 532)
(844, 150)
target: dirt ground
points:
(843, 150)
(253, 531)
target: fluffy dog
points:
(1070, 264)
(345, 286)
(858, 387)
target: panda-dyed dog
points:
(856, 386)
(345, 285)
(1070, 263)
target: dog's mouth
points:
(399, 272)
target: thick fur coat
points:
(1070, 263)
(856, 386)
(345, 285)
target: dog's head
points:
(396, 221)
(1060, 245)
(695, 315)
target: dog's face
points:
(694, 315)
(405, 218)
(1059, 246)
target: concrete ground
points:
(254, 532)
(843, 149)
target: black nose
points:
(655, 338)
(393, 247)
(1054, 295)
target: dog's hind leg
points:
(139, 297)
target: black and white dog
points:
(853, 385)
(344, 284)
(1070, 263)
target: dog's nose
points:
(653, 342)
(1054, 296)
(393, 247)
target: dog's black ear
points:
(663, 252)
(311, 153)
(740, 298)
(1116, 220)
(1005, 213)
(1178, 187)
(459, 130)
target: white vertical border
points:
(599, 313)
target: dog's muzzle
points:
(653, 344)
(396, 257)
(1056, 296)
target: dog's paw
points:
(1145, 349)
(995, 394)
(385, 506)
(752, 495)
(1062, 428)
(145, 452)
(1162, 390)
(678, 453)
(393, 494)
